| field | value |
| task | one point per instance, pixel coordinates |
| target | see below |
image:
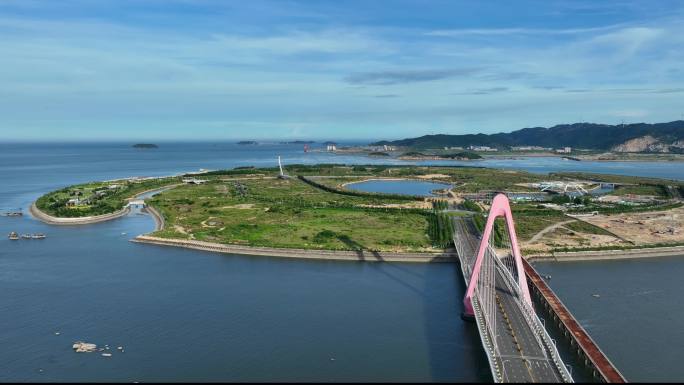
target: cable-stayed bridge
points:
(515, 340)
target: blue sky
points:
(288, 69)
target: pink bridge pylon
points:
(500, 208)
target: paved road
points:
(520, 355)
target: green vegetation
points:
(293, 214)
(454, 155)
(469, 205)
(440, 205)
(529, 222)
(578, 135)
(461, 155)
(441, 230)
(311, 209)
(96, 198)
(587, 228)
(657, 190)
(415, 154)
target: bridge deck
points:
(520, 357)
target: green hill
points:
(580, 135)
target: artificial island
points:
(317, 211)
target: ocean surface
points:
(189, 315)
(638, 315)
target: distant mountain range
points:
(637, 137)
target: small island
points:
(378, 153)
(414, 155)
(247, 142)
(145, 145)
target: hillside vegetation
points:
(580, 135)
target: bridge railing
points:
(534, 322)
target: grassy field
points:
(291, 214)
(528, 222)
(587, 228)
(466, 179)
(644, 189)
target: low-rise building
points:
(529, 148)
(482, 148)
(194, 181)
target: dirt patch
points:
(211, 222)
(564, 237)
(183, 231)
(432, 176)
(242, 206)
(644, 228)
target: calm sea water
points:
(189, 315)
(637, 318)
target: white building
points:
(564, 150)
(529, 148)
(193, 181)
(332, 147)
(482, 148)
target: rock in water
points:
(84, 347)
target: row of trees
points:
(440, 229)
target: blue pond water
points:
(404, 187)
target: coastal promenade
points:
(49, 219)
(603, 255)
(75, 221)
(361, 255)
